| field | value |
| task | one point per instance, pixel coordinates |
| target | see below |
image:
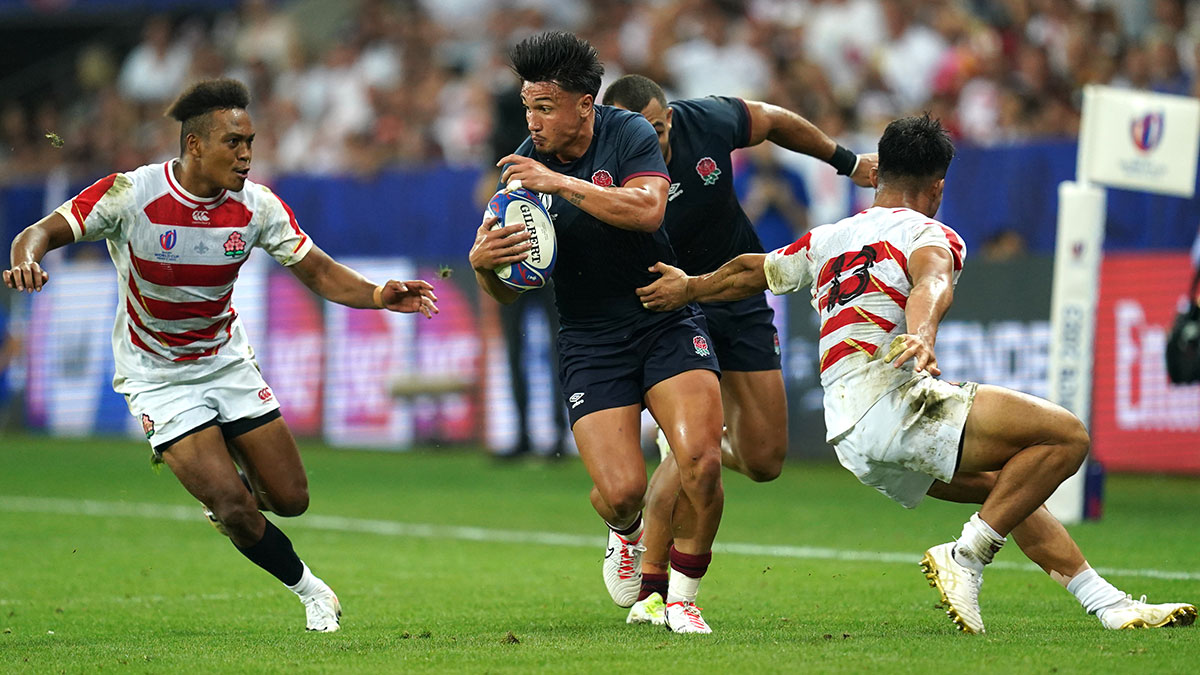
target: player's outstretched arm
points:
(637, 205)
(335, 282)
(493, 248)
(739, 278)
(31, 245)
(931, 269)
(788, 130)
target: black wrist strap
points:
(844, 160)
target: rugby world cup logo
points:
(1147, 131)
(708, 170)
(167, 240)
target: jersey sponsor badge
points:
(200, 216)
(265, 394)
(708, 170)
(603, 178)
(576, 399)
(674, 191)
(235, 245)
(701, 345)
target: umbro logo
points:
(200, 216)
(576, 399)
(674, 191)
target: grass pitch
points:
(449, 561)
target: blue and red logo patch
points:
(167, 240)
(1147, 131)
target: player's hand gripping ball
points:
(518, 205)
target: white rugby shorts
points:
(168, 410)
(909, 438)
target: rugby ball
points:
(519, 205)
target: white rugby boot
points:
(323, 610)
(652, 610)
(623, 568)
(1130, 613)
(958, 586)
(684, 617)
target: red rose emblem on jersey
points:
(701, 345)
(235, 245)
(603, 178)
(708, 170)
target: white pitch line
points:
(391, 528)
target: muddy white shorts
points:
(910, 437)
(168, 410)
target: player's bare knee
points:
(1073, 444)
(626, 498)
(237, 511)
(293, 503)
(764, 469)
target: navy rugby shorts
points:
(743, 334)
(616, 374)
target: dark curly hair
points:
(193, 106)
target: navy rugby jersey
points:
(704, 219)
(599, 266)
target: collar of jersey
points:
(186, 197)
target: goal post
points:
(1135, 140)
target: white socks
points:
(309, 583)
(632, 536)
(1093, 591)
(977, 545)
(682, 588)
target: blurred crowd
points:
(357, 87)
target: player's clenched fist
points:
(26, 276)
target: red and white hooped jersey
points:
(177, 256)
(857, 272)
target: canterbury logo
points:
(200, 216)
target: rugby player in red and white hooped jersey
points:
(881, 281)
(178, 233)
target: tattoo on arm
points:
(575, 198)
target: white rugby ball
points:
(519, 205)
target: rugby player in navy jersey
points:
(601, 173)
(707, 228)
